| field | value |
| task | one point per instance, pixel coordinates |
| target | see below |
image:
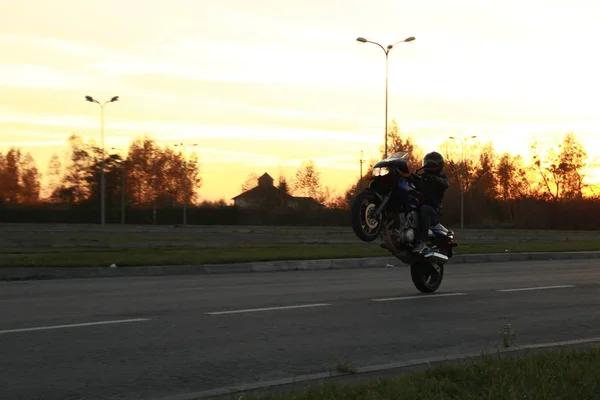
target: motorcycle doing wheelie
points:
(387, 209)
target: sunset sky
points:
(259, 84)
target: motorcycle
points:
(387, 209)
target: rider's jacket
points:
(432, 187)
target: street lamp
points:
(184, 148)
(123, 161)
(92, 100)
(386, 51)
(462, 189)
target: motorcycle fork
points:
(381, 206)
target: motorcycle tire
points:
(425, 277)
(366, 229)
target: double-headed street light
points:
(386, 51)
(92, 100)
(462, 181)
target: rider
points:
(432, 185)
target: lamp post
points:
(360, 181)
(92, 100)
(123, 161)
(184, 148)
(462, 183)
(154, 184)
(386, 51)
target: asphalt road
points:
(149, 338)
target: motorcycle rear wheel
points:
(426, 277)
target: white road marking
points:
(45, 328)
(420, 297)
(267, 309)
(535, 288)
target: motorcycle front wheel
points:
(365, 225)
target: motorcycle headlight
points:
(381, 171)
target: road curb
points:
(26, 273)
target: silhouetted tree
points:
(325, 196)
(150, 173)
(457, 169)
(506, 175)
(250, 183)
(192, 178)
(84, 158)
(4, 180)
(514, 180)
(562, 171)
(307, 182)
(396, 143)
(484, 177)
(215, 203)
(161, 173)
(29, 181)
(10, 179)
(336, 201)
(145, 172)
(54, 176)
(283, 187)
(19, 178)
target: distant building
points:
(268, 196)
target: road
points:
(149, 338)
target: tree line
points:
(550, 191)
(147, 174)
(499, 188)
(556, 173)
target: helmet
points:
(433, 162)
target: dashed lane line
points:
(249, 310)
(535, 288)
(45, 328)
(429, 296)
(422, 297)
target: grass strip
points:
(85, 257)
(557, 374)
(526, 247)
(91, 257)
